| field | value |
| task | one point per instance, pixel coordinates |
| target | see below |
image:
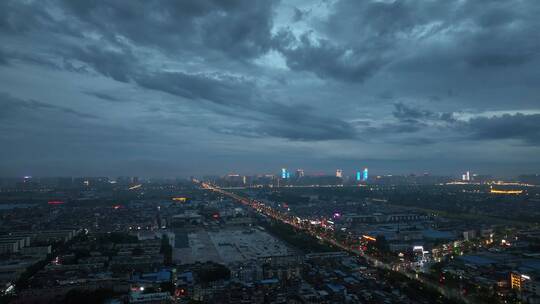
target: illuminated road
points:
(295, 186)
(314, 230)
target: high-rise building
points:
(339, 173)
(299, 173)
(466, 177)
(358, 176)
(283, 173)
(365, 174)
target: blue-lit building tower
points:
(358, 176)
(365, 174)
(284, 173)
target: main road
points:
(308, 228)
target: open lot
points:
(226, 246)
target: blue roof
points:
(339, 272)
(187, 276)
(335, 287)
(160, 276)
(164, 275)
(269, 281)
(350, 280)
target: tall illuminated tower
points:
(365, 174)
(339, 173)
(358, 176)
(284, 173)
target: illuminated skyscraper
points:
(339, 173)
(365, 174)
(358, 176)
(299, 173)
(283, 173)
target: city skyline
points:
(359, 175)
(270, 151)
(108, 89)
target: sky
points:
(180, 88)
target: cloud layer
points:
(191, 87)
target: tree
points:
(382, 244)
(211, 272)
(82, 296)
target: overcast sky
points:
(179, 88)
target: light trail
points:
(306, 227)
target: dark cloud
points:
(104, 96)
(497, 17)
(22, 16)
(406, 113)
(313, 130)
(123, 66)
(295, 123)
(3, 58)
(446, 128)
(217, 88)
(239, 29)
(242, 130)
(280, 120)
(383, 19)
(6, 56)
(239, 77)
(300, 122)
(502, 36)
(362, 37)
(394, 128)
(414, 125)
(518, 126)
(299, 14)
(328, 60)
(498, 59)
(11, 106)
(244, 30)
(117, 64)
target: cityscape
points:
(271, 238)
(269, 152)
